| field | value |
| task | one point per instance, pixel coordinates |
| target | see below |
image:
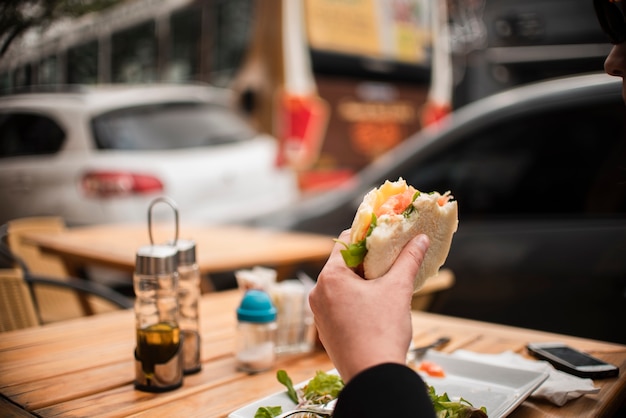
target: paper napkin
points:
(558, 388)
(260, 278)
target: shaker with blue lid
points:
(256, 332)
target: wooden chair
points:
(19, 306)
(17, 309)
(56, 303)
(424, 298)
(53, 297)
(37, 262)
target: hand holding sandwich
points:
(399, 238)
(363, 323)
(388, 217)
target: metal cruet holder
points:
(158, 355)
(188, 293)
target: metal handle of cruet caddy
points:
(172, 204)
(158, 356)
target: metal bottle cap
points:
(156, 259)
(186, 251)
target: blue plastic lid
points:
(256, 306)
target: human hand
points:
(361, 322)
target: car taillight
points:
(118, 183)
(432, 112)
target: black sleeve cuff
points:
(385, 390)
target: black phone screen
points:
(572, 356)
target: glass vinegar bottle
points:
(158, 355)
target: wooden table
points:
(218, 248)
(84, 367)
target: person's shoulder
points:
(388, 389)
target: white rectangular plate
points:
(499, 389)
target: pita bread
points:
(434, 214)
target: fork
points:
(415, 354)
(324, 410)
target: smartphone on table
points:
(572, 361)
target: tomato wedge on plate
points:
(431, 369)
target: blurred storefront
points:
(136, 41)
(343, 81)
(498, 44)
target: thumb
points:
(409, 260)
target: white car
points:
(102, 154)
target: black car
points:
(540, 176)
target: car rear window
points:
(169, 126)
(23, 134)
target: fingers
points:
(344, 237)
(408, 262)
(410, 259)
(336, 259)
(334, 271)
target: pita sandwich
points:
(391, 215)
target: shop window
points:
(133, 58)
(82, 65)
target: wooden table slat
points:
(10, 410)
